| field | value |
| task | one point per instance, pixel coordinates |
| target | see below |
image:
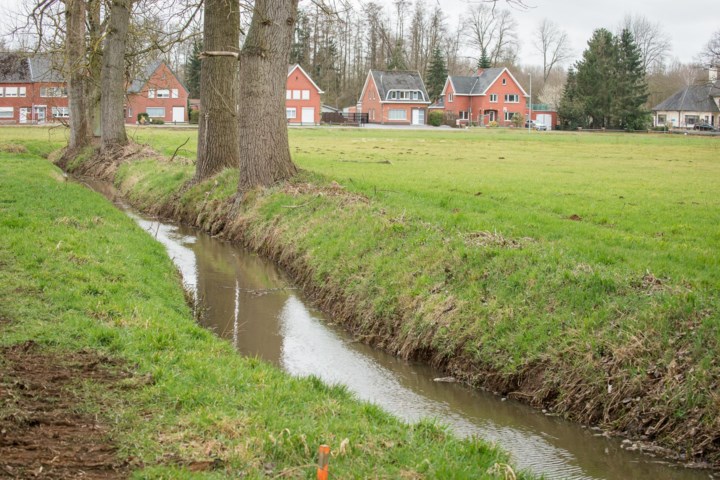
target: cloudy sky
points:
(689, 24)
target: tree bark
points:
(265, 152)
(75, 50)
(113, 76)
(218, 144)
(95, 33)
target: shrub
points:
(194, 116)
(517, 120)
(143, 118)
(157, 121)
(435, 118)
(493, 124)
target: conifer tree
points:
(631, 87)
(437, 75)
(596, 78)
(484, 61)
(571, 110)
(192, 70)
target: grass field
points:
(78, 274)
(581, 270)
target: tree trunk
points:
(94, 66)
(265, 152)
(75, 50)
(113, 76)
(218, 144)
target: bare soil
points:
(42, 432)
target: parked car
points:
(704, 126)
(529, 124)
(539, 126)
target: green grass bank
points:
(76, 274)
(577, 272)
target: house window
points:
(512, 98)
(53, 92)
(7, 112)
(175, 93)
(464, 115)
(2, 92)
(22, 91)
(306, 94)
(155, 112)
(297, 95)
(291, 112)
(493, 115)
(493, 98)
(450, 97)
(504, 81)
(661, 119)
(163, 93)
(151, 93)
(288, 95)
(61, 112)
(691, 119)
(509, 116)
(397, 115)
(11, 91)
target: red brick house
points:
(492, 94)
(31, 90)
(394, 98)
(302, 98)
(159, 93)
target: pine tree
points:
(596, 78)
(571, 110)
(192, 70)
(436, 75)
(631, 87)
(397, 60)
(484, 61)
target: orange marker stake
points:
(323, 461)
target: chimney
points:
(713, 74)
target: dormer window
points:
(405, 95)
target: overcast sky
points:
(688, 23)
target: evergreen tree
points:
(571, 110)
(484, 61)
(631, 87)
(192, 70)
(397, 60)
(436, 75)
(596, 78)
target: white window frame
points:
(22, 91)
(450, 97)
(174, 93)
(464, 115)
(7, 112)
(397, 118)
(306, 94)
(60, 112)
(147, 110)
(504, 81)
(11, 92)
(2, 92)
(509, 116)
(493, 98)
(129, 110)
(296, 94)
(512, 98)
(163, 93)
(288, 94)
(289, 111)
(151, 93)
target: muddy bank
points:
(635, 409)
(42, 433)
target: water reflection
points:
(250, 302)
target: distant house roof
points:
(398, 80)
(292, 68)
(477, 84)
(695, 98)
(18, 68)
(439, 104)
(137, 85)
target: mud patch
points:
(575, 217)
(41, 432)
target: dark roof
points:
(398, 80)
(19, 68)
(439, 104)
(147, 72)
(475, 84)
(695, 98)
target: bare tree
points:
(113, 76)
(493, 31)
(710, 54)
(265, 151)
(218, 136)
(552, 43)
(653, 42)
(80, 134)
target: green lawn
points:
(568, 265)
(78, 274)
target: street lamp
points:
(530, 104)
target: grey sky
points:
(689, 24)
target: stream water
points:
(249, 301)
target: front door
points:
(40, 114)
(308, 115)
(179, 114)
(418, 116)
(24, 115)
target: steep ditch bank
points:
(635, 387)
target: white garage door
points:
(178, 114)
(308, 115)
(545, 118)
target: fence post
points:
(323, 461)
